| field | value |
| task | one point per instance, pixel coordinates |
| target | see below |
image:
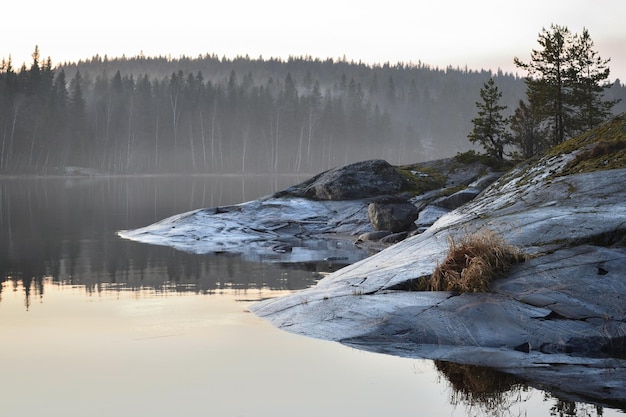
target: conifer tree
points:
(548, 80)
(528, 135)
(76, 107)
(590, 74)
(564, 83)
(490, 127)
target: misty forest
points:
(208, 115)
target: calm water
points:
(92, 325)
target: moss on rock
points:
(600, 149)
(421, 178)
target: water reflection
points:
(135, 267)
(60, 234)
(64, 231)
(480, 387)
(486, 391)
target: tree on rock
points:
(529, 136)
(490, 127)
(565, 83)
(590, 74)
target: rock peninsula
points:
(556, 320)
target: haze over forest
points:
(242, 115)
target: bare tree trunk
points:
(275, 168)
(130, 136)
(298, 161)
(156, 138)
(16, 110)
(191, 144)
(45, 164)
(308, 148)
(175, 118)
(32, 146)
(213, 133)
(219, 148)
(4, 139)
(96, 138)
(203, 141)
(243, 153)
(330, 146)
(107, 132)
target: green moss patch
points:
(421, 179)
(601, 149)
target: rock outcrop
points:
(302, 223)
(361, 180)
(557, 320)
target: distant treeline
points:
(242, 115)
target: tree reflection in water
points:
(486, 391)
(61, 233)
(563, 408)
(490, 391)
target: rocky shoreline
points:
(557, 320)
(369, 203)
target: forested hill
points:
(220, 115)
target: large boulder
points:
(393, 214)
(361, 180)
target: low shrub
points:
(496, 164)
(473, 262)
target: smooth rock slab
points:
(300, 223)
(254, 230)
(552, 317)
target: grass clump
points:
(473, 262)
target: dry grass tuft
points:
(473, 262)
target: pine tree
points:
(590, 74)
(58, 106)
(76, 100)
(77, 121)
(490, 127)
(548, 82)
(528, 135)
(564, 83)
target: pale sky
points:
(479, 34)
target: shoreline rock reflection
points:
(487, 391)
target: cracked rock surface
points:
(557, 320)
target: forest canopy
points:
(242, 115)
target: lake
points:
(93, 325)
